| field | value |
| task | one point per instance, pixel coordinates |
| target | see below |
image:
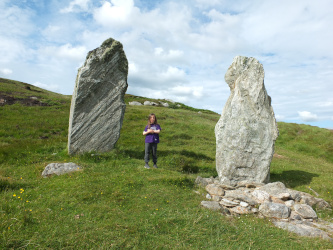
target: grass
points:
(116, 203)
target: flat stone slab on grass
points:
(60, 169)
(302, 230)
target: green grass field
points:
(115, 203)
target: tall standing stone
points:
(247, 129)
(98, 106)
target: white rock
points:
(213, 189)
(135, 103)
(284, 196)
(243, 204)
(228, 203)
(289, 203)
(208, 196)
(275, 210)
(305, 211)
(60, 169)
(247, 129)
(261, 196)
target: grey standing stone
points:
(60, 168)
(98, 106)
(247, 129)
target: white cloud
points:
(75, 6)
(279, 117)
(65, 52)
(114, 12)
(195, 92)
(307, 116)
(174, 74)
(6, 71)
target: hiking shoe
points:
(147, 166)
(155, 166)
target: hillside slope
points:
(116, 203)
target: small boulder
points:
(274, 188)
(60, 168)
(135, 103)
(212, 189)
(275, 210)
(305, 211)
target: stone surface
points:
(274, 188)
(135, 103)
(164, 104)
(60, 168)
(240, 210)
(261, 196)
(247, 129)
(305, 211)
(240, 195)
(148, 103)
(276, 202)
(274, 210)
(201, 181)
(98, 106)
(212, 205)
(301, 229)
(212, 189)
(289, 203)
(228, 203)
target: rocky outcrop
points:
(247, 129)
(98, 106)
(287, 208)
(60, 169)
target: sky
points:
(180, 49)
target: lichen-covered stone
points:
(247, 129)
(274, 210)
(98, 106)
(60, 169)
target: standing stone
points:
(98, 106)
(247, 129)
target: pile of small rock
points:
(149, 103)
(289, 209)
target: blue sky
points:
(179, 50)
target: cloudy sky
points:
(179, 49)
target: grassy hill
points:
(116, 203)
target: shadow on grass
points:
(139, 154)
(293, 178)
(6, 185)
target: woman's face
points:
(152, 119)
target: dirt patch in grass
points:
(10, 100)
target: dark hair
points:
(155, 122)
